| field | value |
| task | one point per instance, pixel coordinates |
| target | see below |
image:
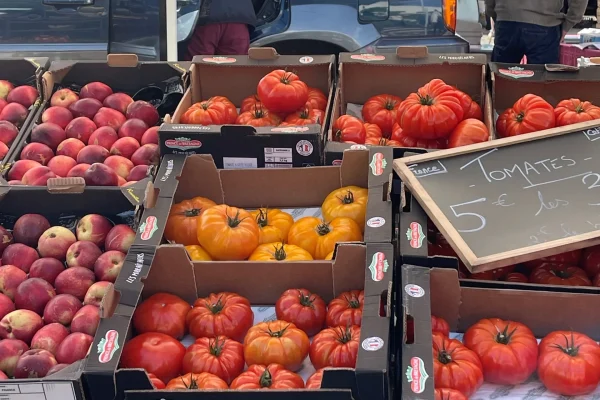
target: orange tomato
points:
(257, 117)
(319, 237)
(279, 252)
(316, 99)
(197, 253)
(182, 223)
(274, 224)
(272, 376)
(329, 256)
(276, 342)
(193, 381)
(217, 110)
(349, 201)
(228, 233)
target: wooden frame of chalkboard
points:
(540, 247)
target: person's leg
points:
(507, 45)
(235, 40)
(542, 43)
(204, 41)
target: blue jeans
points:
(513, 40)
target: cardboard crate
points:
(164, 84)
(234, 146)
(173, 272)
(401, 74)
(423, 292)
(23, 71)
(65, 210)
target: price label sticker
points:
(37, 391)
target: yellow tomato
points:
(274, 224)
(349, 201)
(279, 252)
(329, 256)
(197, 253)
(319, 237)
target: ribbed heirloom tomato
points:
(346, 309)
(335, 347)
(227, 233)
(319, 237)
(507, 350)
(572, 111)
(570, 257)
(164, 313)
(409, 141)
(273, 376)
(314, 381)
(304, 309)
(282, 92)
(250, 103)
(590, 260)
(448, 394)
(569, 363)
(381, 111)
(455, 366)
(182, 223)
(439, 324)
(529, 114)
(273, 224)
(316, 99)
(516, 277)
(306, 116)
(203, 381)
(258, 117)
(220, 314)
(468, 131)
(349, 129)
(559, 274)
(279, 252)
(348, 201)
(276, 342)
(220, 356)
(217, 110)
(197, 253)
(157, 383)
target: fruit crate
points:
(85, 104)
(34, 249)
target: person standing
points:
(532, 28)
(222, 28)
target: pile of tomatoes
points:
(227, 340)
(437, 116)
(221, 232)
(507, 353)
(282, 99)
(532, 113)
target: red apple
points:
(125, 147)
(29, 228)
(85, 108)
(14, 113)
(49, 337)
(134, 128)
(148, 154)
(122, 181)
(95, 294)
(81, 128)
(61, 309)
(55, 242)
(6, 238)
(3, 150)
(34, 364)
(86, 320)
(75, 281)
(21, 325)
(37, 152)
(47, 269)
(83, 254)
(38, 176)
(104, 136)
(49, 134)
(108, 266)
(33, 294)
(10, 352)
(95, 90)
(138, 173)
(100, 175)
(118, 101)
(19, 255)
(121, 165)
(150, 136)
(109, 117)
(120, 238)
(57, 368)
(8, 132)
(61, 165)
(20, 167)
(6, 305)
(143, 110)
(3, 103)
(92, 154)
(24, 95)
(63, 98)
(78, 171)
(70, 148)
(57, 115)
(10, 279)
(5, 88)
(93, 227)
(74, 348)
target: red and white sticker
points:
(376, 222)
(304, 148)
(306, 60)
(414, 290)
(372, 343)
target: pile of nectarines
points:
(14, 107)
(104, 137)
(52, 282)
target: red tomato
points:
(221, 314)
(455, 366)
(529, 114)
(549, 273)
(516, 277)
(302, 308)
(507, 350)
(162, 312)
(409, 141)
(373, 131)
(306, 116)
(346, 309)
(596, 281)
(220, 356)
(468, 131)
(203, 381)
(569, 363)
(590, 261)
(314, 381)
(431, 113)
(572, 111)
(381, 111)
(316, 99)
(335, 347)
(493, 275)
(273, 376)
(439, 324)
(217, 110)
(157, 353)
(250, 103)
(448, 394)
(282, 92)
(258, 117)
(474, 111)
(349, 129)
(157, 383)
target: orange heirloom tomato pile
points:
(437, 116)
(225, 233)
(227, 340)
(281, 99)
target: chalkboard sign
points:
(514, 199)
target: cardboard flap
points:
(122, 60)
(446, 303)
(136, 193)
(196, 166)
(262, 53)
(345, 277)
(352, 171)
(179, 275)
(66, 185)
(412, 52)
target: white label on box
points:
(270, 165)
(239, 163)
(278, 155)
(37, 391)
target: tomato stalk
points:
(216, 348)
(504, 337)
(285, 79)
(561, 274)
(307, 300)
(443, 356)
(280, 254)
(344, 334)
(261, 218)
(265, 379)
(323, 229)
(215, 308)
(348, 198)
(579, 108)
(235, 221)
(569, 349)
(426, 100)
(277, 334)
(353, 302)
(194, 212)
(258, 111)
(520, 116)
(389, 104)
(193, 384)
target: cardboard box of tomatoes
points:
(98, 121)
(60, 254)
(257, 306)
(395, 109)
(235, 110)
(489, 338)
